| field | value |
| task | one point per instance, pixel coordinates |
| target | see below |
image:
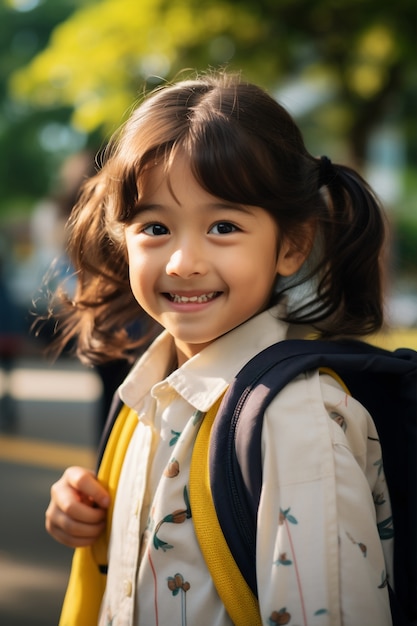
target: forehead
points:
(173, 175)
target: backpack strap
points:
(114, 410)
(87, 579)
(384, 382)
(237, 597)
(109, 472)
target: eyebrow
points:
(220, 206)
(142, 207)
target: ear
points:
(293, 253)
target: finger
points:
(69, 531)
(87, 485)
(65, 502)
(74, 541)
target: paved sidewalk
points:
(55, 425)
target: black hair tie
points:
(327, 172)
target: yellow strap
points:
(241, 604)
(86, 584)
(332, 373)
(110, 468)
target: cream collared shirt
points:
(320, 561)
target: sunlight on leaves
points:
(375, 53)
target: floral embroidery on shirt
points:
(177, 584)
(285, 516)
(175, 437)
(284, 617)
(279, 617)
(197, 417)
(379, 498)
(176, 517)
(173, 468)
(285, 520)
(379, 465)
(386, 529)
(362, 547)
(384, 580)
(283, 560)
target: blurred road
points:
(55, 425)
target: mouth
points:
(200, 299)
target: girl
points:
(210, 217)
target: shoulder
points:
(316, 395)
(307, 419)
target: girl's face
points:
(199, 265)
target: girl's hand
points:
(76, 515)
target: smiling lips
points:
(201, 299)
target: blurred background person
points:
(10, 345)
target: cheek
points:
(137, 261)
(144, 269)
(139, 274)
(254, 267)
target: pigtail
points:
(354, 233)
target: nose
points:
(186, 261)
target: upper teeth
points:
(203, 298)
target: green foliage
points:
(26, 168)
(406, 244)
(405, 229)
(100, 57)
(86, 62)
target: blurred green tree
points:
(355, 56)
(98, 58)
(26, 169)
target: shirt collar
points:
(150, 369)
(202, 379)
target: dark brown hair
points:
(243, 147)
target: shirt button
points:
(127, 588)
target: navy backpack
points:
(384, 382)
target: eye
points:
(223, 228)
(155, 230)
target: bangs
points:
(231, 164)
(221, 129)
(222, 160)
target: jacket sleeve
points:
(320, 559)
